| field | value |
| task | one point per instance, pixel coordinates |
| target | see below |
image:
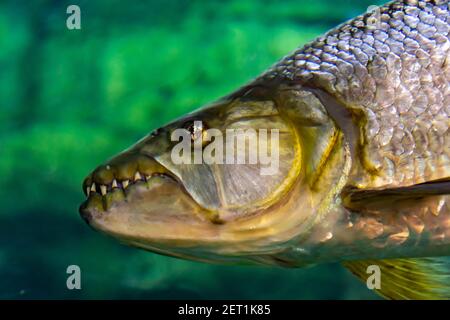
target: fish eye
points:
(197, 129)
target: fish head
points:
(229, 183)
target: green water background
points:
(69, 99)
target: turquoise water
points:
(69, 99)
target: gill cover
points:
(256, 157)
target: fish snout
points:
(85, 213)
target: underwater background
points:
(70, 99)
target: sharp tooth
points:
(137, 176)
(125, 183)
(88, 190)
(93, 187)
(114, 183)
(103, 189)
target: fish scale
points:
(393, 65)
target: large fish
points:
(361, 117)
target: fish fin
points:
(355, 198)
(408, 279)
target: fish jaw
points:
(155, 208)
(143, 199)
(135, 199)
(135, 184)
(153, 211)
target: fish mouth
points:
(137, 200)
(105, 189)
(115, 181)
